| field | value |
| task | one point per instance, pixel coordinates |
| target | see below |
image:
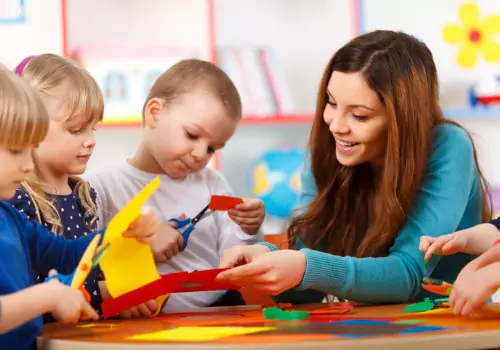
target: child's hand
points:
(443, 245)
(249, 215)
(168, 242)
(144, 227)
(473, 287)
(69, 305)
(147, 309)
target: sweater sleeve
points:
(440, 205)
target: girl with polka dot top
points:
(55, 195)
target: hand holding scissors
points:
(186, 226)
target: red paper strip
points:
(224, 202)
(179, 282)
(203, 281)
(113, 306)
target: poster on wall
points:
(12, 11)
(464, 37)
(29, 28)
(125, 76)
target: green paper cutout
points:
(274, 313)
(423, 306)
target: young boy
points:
(192, 110)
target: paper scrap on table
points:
(224, 202)
(199, 333)
(128, 264)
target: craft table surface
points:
(466, 334)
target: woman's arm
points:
(440, 205)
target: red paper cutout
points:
(203, 281)
(338, 309)
(178, 282)
(224, 202)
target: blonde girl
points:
(54, 194)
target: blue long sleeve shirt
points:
(449, 199)
(25, 245)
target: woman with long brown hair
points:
(384, 168)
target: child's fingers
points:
(450, 247)
(144, 310)
(436, 247)
(246, 214)
(152, 305)
(247, 222)
(425, 242)
(250, 204)
(88, 313)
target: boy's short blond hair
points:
(190, 74)
(23, 118)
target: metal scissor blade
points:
(99, 253)
(197, 218)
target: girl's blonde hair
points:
(85, 104)
(23, 118)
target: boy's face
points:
(183, 136)
(17, 163)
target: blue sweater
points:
(75, 225)
(24, 246)
(449, 199)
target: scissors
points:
(187, 225)
(90, 259)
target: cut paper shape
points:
(224, 202)
(475, 36)
(196, 334)
(161, 301)
(180, 282)
(200, 281)
(337, 309)
(97, 325)
(274, 313)
(128, 264)
(423, 306)
(163, 286)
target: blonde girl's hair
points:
(23, 118)
(85, 103)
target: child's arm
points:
(66, 304)
(475, 240)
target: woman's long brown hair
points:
(353, 214)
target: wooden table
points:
(483, 333)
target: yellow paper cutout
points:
(128, 264)
(97, 325)
(474, 35)
(161, 301)
(199, 333)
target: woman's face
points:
(357, 120)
